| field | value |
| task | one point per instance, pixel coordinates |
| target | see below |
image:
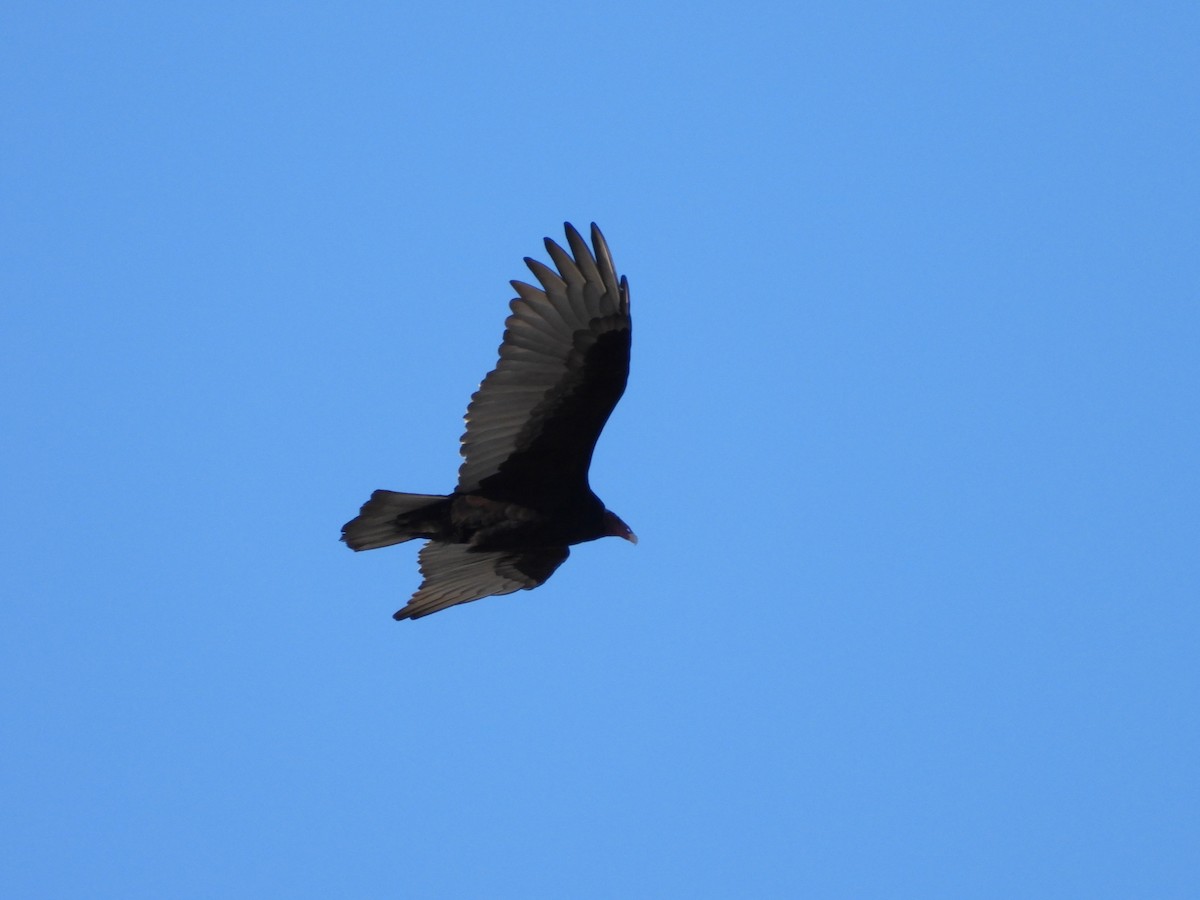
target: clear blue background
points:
(910, 442)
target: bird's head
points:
(614, 527)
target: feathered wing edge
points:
(545, 338)
(454, 574)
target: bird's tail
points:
(393, 518)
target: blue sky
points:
(910, 443)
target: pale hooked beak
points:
(614, 527)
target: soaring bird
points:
(523, 496)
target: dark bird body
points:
(523, 496)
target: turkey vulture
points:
(522, 496)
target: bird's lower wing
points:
(454, 573)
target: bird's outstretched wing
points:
(533, 423)
(453, 574)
